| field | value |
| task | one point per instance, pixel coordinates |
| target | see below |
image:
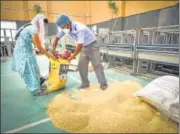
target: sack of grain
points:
(160, 93)
(173, 111)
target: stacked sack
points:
(173, 111)
(163, 94)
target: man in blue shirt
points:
(86, 44)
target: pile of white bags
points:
(163, 94)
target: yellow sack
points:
(57, 74)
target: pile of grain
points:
(112, 110)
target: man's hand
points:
(70, 59)
(78, 49)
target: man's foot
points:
(83, 86)
(104, 86)
(39, 92)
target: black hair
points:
(45, 20)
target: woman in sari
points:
(24, 60)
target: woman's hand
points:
(39, 46)
(51, 56)
(41, 49)
(54, 52)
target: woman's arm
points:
(39, 46)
